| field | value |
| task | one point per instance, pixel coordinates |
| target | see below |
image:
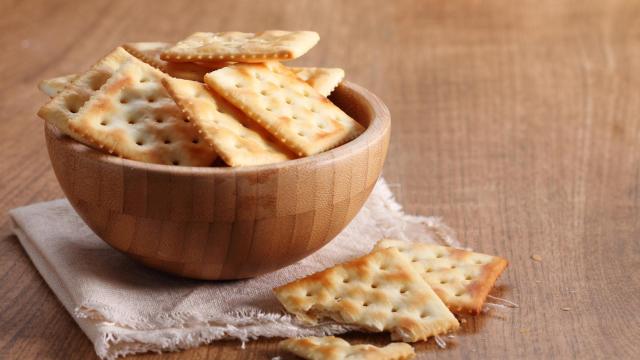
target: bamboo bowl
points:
(225, 223)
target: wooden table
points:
(518, 122)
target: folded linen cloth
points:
(126, 308)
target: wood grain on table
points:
(517, 122)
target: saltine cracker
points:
(54, 86)
(379, 291)
(334, 348)
(149, 52)
(242, 47)
(285, 106)
(235, 137)
(324, 80)
(66, 104)
(133, 116)
(462, 279)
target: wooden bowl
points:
(225, 223)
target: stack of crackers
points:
(411, 290)
(212, 95)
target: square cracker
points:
(235, 137)
(242, 47)
(334, 348)
(149, 52)
(462, 279)
(66, 104)
(285, 106)
(133, 116)
(379, 291)
(324, 80)
(54, 86)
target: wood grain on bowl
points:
(225, 223)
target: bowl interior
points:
(353, 103)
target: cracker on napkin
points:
(462, 279)
(66, 104)
(379, 291)
(235, 137)
(242, 47)
(133, 116)
(54, 86)
(149, 52)
(324, 80)
(334, 348)
(285, 106)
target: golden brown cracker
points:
(334, 348)
(133, 116)
(242, 47)
(287, 107)
(324, 80)
(379, 291)
(149, 52)
(66, 104)
(54, 86)
(462, 279)
(235, 137)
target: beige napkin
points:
(125, 308)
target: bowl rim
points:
(379, 113)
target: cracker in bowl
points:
(242, 47)
(54, 86)
(287, 107)
(235, 137)
(149, 52)
(324, 80)
(65, 105)
(133, 116)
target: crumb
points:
(536, 257)
(502, 302)
(565, 309)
